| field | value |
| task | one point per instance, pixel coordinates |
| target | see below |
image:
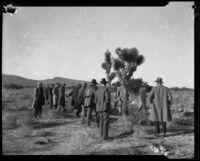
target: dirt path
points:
(61, 134)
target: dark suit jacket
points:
(102, 99)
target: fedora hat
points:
(159, 80)
(94, 81)
(103, 81)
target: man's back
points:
(102, 99)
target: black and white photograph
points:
(98, 80)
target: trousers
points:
(157, 127)
(38, 111)
(104, 124)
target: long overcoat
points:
(160, 98)
(38, 98)
(89, 95)
(102, 97)
(55, 95)
(61, 100)
(81, 93)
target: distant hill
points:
(25, 82)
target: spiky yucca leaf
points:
(118, 50)
(112, 76)
(108, 57)
(108, 67)
(129, 55)
(117, 64)
(104, 66)
(140, 59)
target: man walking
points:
(61, 101)
(142, 103)
(89, 102)
(160, 98)
(55, 96)
(81, 93)
(38, 100)
(103, 108)
(50, 95)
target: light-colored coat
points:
(55, 95)
(160, 99)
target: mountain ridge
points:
(26, 82)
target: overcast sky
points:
(47, 42)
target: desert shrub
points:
(9, 120)
(135, 85)
(12, 86)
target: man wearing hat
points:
(74, 100)
(103, 107)
(61, 100)
(50, 95)
(160, 98)
(89, 101)
(38, 100)
(81, 97)
(55, 95)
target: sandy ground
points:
(59, 133)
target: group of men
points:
(97, 98)
(54, 95)
(93, 98)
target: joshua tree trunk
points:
(125, 99)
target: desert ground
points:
(60, 133)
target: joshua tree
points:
(106, 65)
(124, 66)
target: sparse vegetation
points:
(61, 133)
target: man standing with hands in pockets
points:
(160, 98)
(103, 108)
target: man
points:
(103, 108)
(160, 99)
(46, 89)
(89, 101)
(81, 100)
(38, 100)
(142, 103)
(74, 101)
(55, 96)
(61, 101)
(50, 95)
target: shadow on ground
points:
(41, 125)
(121, 151)
(122, 135)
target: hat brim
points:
(94, 82)
(159, 81)
(104, 82)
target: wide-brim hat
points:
(94, 81)
(103, 81)
(159, 80)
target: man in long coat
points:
(160, 98)
(61, 101)
(50, 95)
(142, 103)
(55, 96)
(89, 101)
(81, 93)
(38, 100)
(103, 108)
